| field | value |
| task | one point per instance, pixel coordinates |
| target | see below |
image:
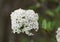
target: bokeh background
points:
(49, 20)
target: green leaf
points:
(53, 24)
(37, 5)
(24, 40)
(44, 24)
(57, 9)
(49, 12)
(49, 25)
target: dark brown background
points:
(8, 6)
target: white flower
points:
(58, 35)
(24, 21)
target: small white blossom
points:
(24, 21)
(58, 35)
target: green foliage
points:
(32, 41)
(57, 10)
(52, 40)
(43, 1)
(42, 39)
(48, 25)
(50, 12)
(44, 24)
(24, 40)
(51, 25)
(35, 6)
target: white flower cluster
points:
(58, 35)
(24, 21)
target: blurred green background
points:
(49, 20)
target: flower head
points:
(24, 21)
(58, 35)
